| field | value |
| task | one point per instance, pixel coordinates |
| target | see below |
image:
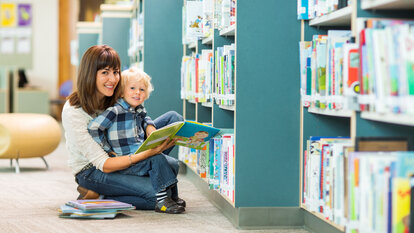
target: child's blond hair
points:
(139, 74)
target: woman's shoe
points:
(85, 193)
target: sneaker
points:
(179, 201)
(168, 206)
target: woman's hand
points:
(165, 145)
(122, 162)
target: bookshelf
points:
(349, 123)
(259, 149)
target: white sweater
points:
(81, 146)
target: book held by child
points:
(188, 133)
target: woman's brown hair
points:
(95, 58)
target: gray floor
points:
(29, 202)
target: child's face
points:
(135, 92)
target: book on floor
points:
(99, 204)
(188, 133)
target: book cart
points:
(347, 122)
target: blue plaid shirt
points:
(121, 128)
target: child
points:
(121, 129)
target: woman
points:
(97, 89)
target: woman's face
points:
(106, 81)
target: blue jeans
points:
(137, 189)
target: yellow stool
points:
(27, 135)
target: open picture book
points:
(189, 134)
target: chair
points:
(27, 135)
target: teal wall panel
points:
(86, 40)
(162, 54)
(267, 104)
(115, 33)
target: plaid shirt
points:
(121, 128)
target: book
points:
(188, 133)
(99, 204)
(66, 211)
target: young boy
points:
(121, 129)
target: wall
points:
(44, 72)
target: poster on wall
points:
(16, 35)
(24, 12)
(7, 14)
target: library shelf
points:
(227, 107)
(392, 118)
(341, 17)
(207, 104)
(323, 218)
(229, 31)
(193, 169)
(329, 112)
(208, 40)
(387, 4)
(192, 45)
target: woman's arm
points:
(123, 162)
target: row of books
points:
(309, 9)
(197, 72)
(386, 66)
(215, 163)
(200, 18)
(197, 76)
(329, 71)
(379, 191)
(324, 177)
(365, 190)
(93, 209)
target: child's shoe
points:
(179, 201)
(168, 206)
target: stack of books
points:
(93, 209)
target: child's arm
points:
(148, 125)
(98, 126)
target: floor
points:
(29, 202)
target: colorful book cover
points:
(401, 205)
(8, 15)
(188, 133)
(98, 204)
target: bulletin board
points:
(16, 34)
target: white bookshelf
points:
(330, 112)
(392, 118)
(387, 4)
(341, 17)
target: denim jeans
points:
(133, 186)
